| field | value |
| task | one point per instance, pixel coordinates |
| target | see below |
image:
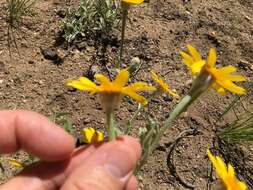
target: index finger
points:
(35, 134)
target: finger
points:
(109, 167)
(51, 175)
(132, 184)
(48, 175)
(35, 134)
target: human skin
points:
(107, 166)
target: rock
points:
(244, 64)
(81, 45)
(40, 82)
(51, 54)
(31, 62)
(61, 13)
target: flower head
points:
(111, 92)
(163, 87)
(226, 174)
(132, 2)
(223, 79)
(91, 135)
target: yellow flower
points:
(91, 135)
(162, 85)
(133, 2)
(111, 91)
(194, 60)
(222, 77)
(16, 163)
(226, 174)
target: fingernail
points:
(114, 170)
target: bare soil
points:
(158, 30)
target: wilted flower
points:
(162, 86)
(222, 78)
(226, 174)
(91, 135)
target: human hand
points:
(107, 166)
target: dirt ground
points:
(158, 30)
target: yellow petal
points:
(102, 79)
(228, 69)
(133, 2)
(188, 60)
(242, 185)
(154, 76)
(211, 58)
(83, 84)
(195, 54)
(172, 93)
(98, 137)
(231, 87)
(218, 164)
(78, 85)
(197, 66)
(231, 171)
(236, 78)
(140, 86)
(16, 163)
(88, 134)
(122, 78)
(219, 89)
(136, 97)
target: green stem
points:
(200, 85)
(130, 122)
(110, 126)
(181, 107)
(123, 28)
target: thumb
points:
(109, 168)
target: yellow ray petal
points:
(228, 69)
(172, 93)
(16, 163)
(98, 137)
(197, 66)
(136, 97)
(231, 172)
(154, 76)
(219, 89)
(188, 60)
(81, 86)
(195, 54)
(88, 134)
(231, 87)
(122, 78)
(236, 78)
(140, 86)
(102, 79)
(211, 58)
(133, 2)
